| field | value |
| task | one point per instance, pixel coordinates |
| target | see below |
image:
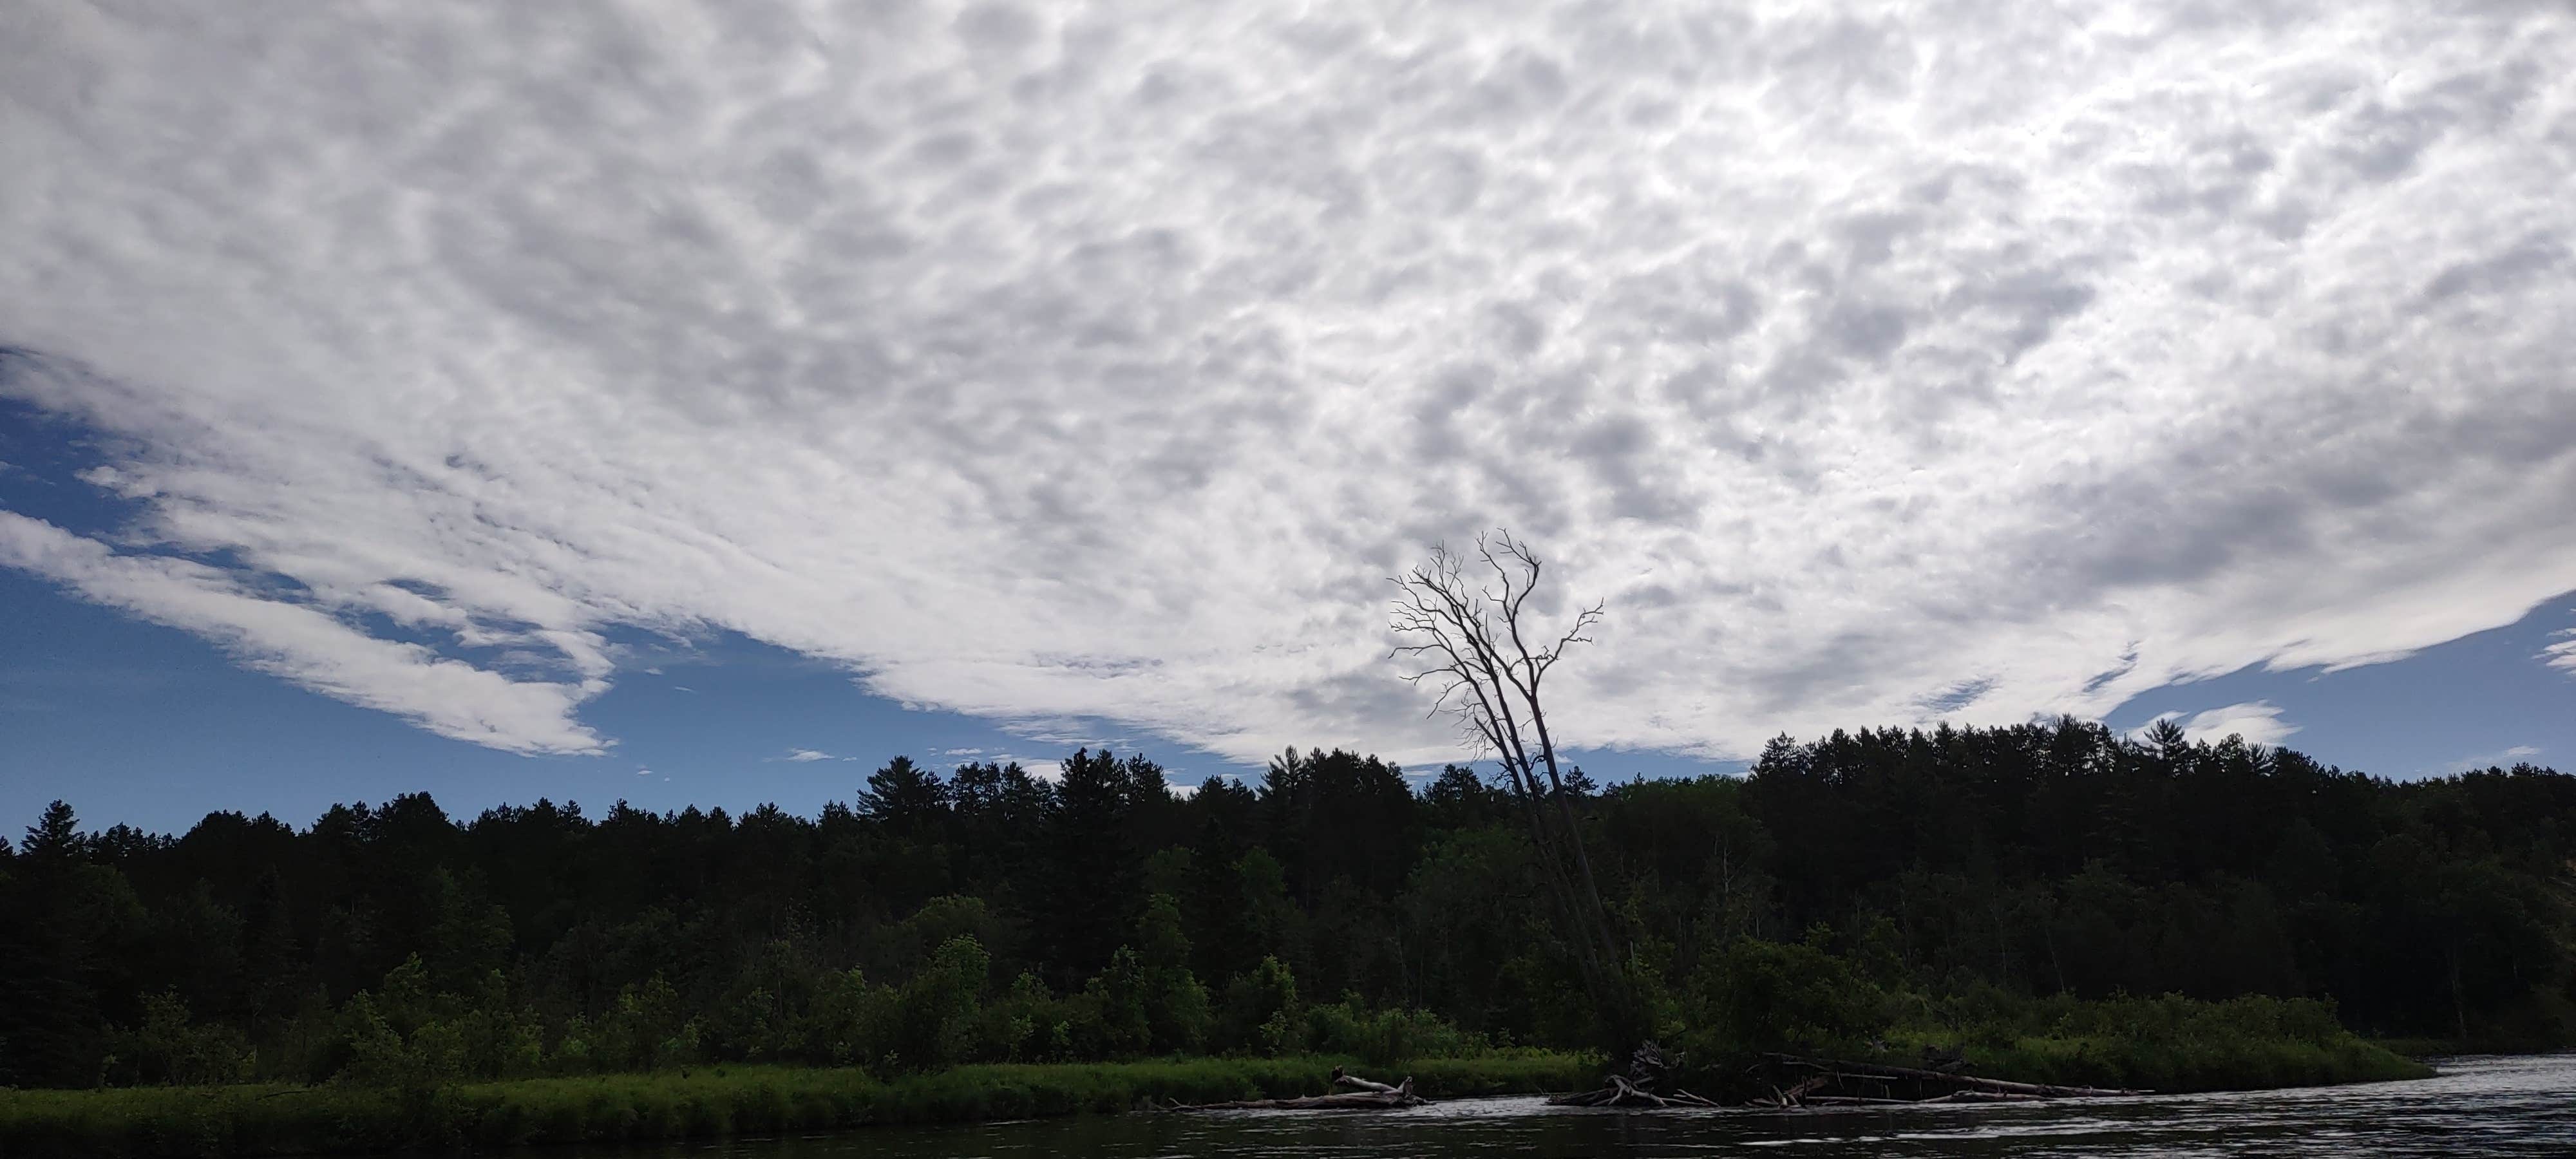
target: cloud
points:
(804, 756)
(1045, 364)
(2259, 722)
(301, 640)
(2502, 758)
(2561, 655)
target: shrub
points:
(1761, 995)
(167, 1046)
(1387, 1036)
(1260, 1013)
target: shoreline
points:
(738, 1100)
(698, 1102)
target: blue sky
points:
(150, 725)
(147, 725)
(1078, 376)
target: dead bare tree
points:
(1469, 626)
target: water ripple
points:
(2509, 1106)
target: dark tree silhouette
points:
(1479, 645)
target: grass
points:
(700, 1102)
(2187, 1065)
(2166, 1044)
(2492, 1044)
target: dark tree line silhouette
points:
(986, 914)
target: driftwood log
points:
(1364, 1095)
(1343, 1078)
(1647, 1067)
(1827, 1082)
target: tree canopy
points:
(986, 913)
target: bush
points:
(1115, 1020)
(1387, 1036)
(1760, 996)
(168, 1047)
(643, 1030)
(939, 1006)
(1261, 1014)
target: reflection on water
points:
(2476, 1106)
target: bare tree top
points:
(1465, 621)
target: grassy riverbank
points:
(699, 1103)
(2181, 1066)
(2420, 1048)
(2167, 1044)
(706, 1102)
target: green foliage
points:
(2163, 1043)
(1178, 1014)
(1762, 996)
(1960, 879)
(702, 1103)
(1261, 1013)
(411, 1037)
(937, 1009)
(645, 1029)
(1386, 1037)
(853, 1022)
(1117, 1015)
(170, 1047)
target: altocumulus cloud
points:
(1099, 362)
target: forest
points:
(1841, 891)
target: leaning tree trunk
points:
(1476, 647)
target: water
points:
(2475, 1106)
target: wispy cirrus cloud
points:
(1873, 362)
(2500, 758)
(301, 641)
(2561, 655)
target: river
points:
(2517, 1105)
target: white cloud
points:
(1873, 362)
(2259, 722)
(2561, 655)
(803, 756)
(302, 641)
(2502, 758)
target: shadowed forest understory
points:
(2054, 900)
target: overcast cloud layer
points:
(1874, 363)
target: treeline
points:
(986, 915)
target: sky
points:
(702, 402)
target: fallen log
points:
(1343, 1078)
(1373, 1096)
(1985, 1097)
(1636, 1088)
(2000, 1086)
(1347, 1101)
